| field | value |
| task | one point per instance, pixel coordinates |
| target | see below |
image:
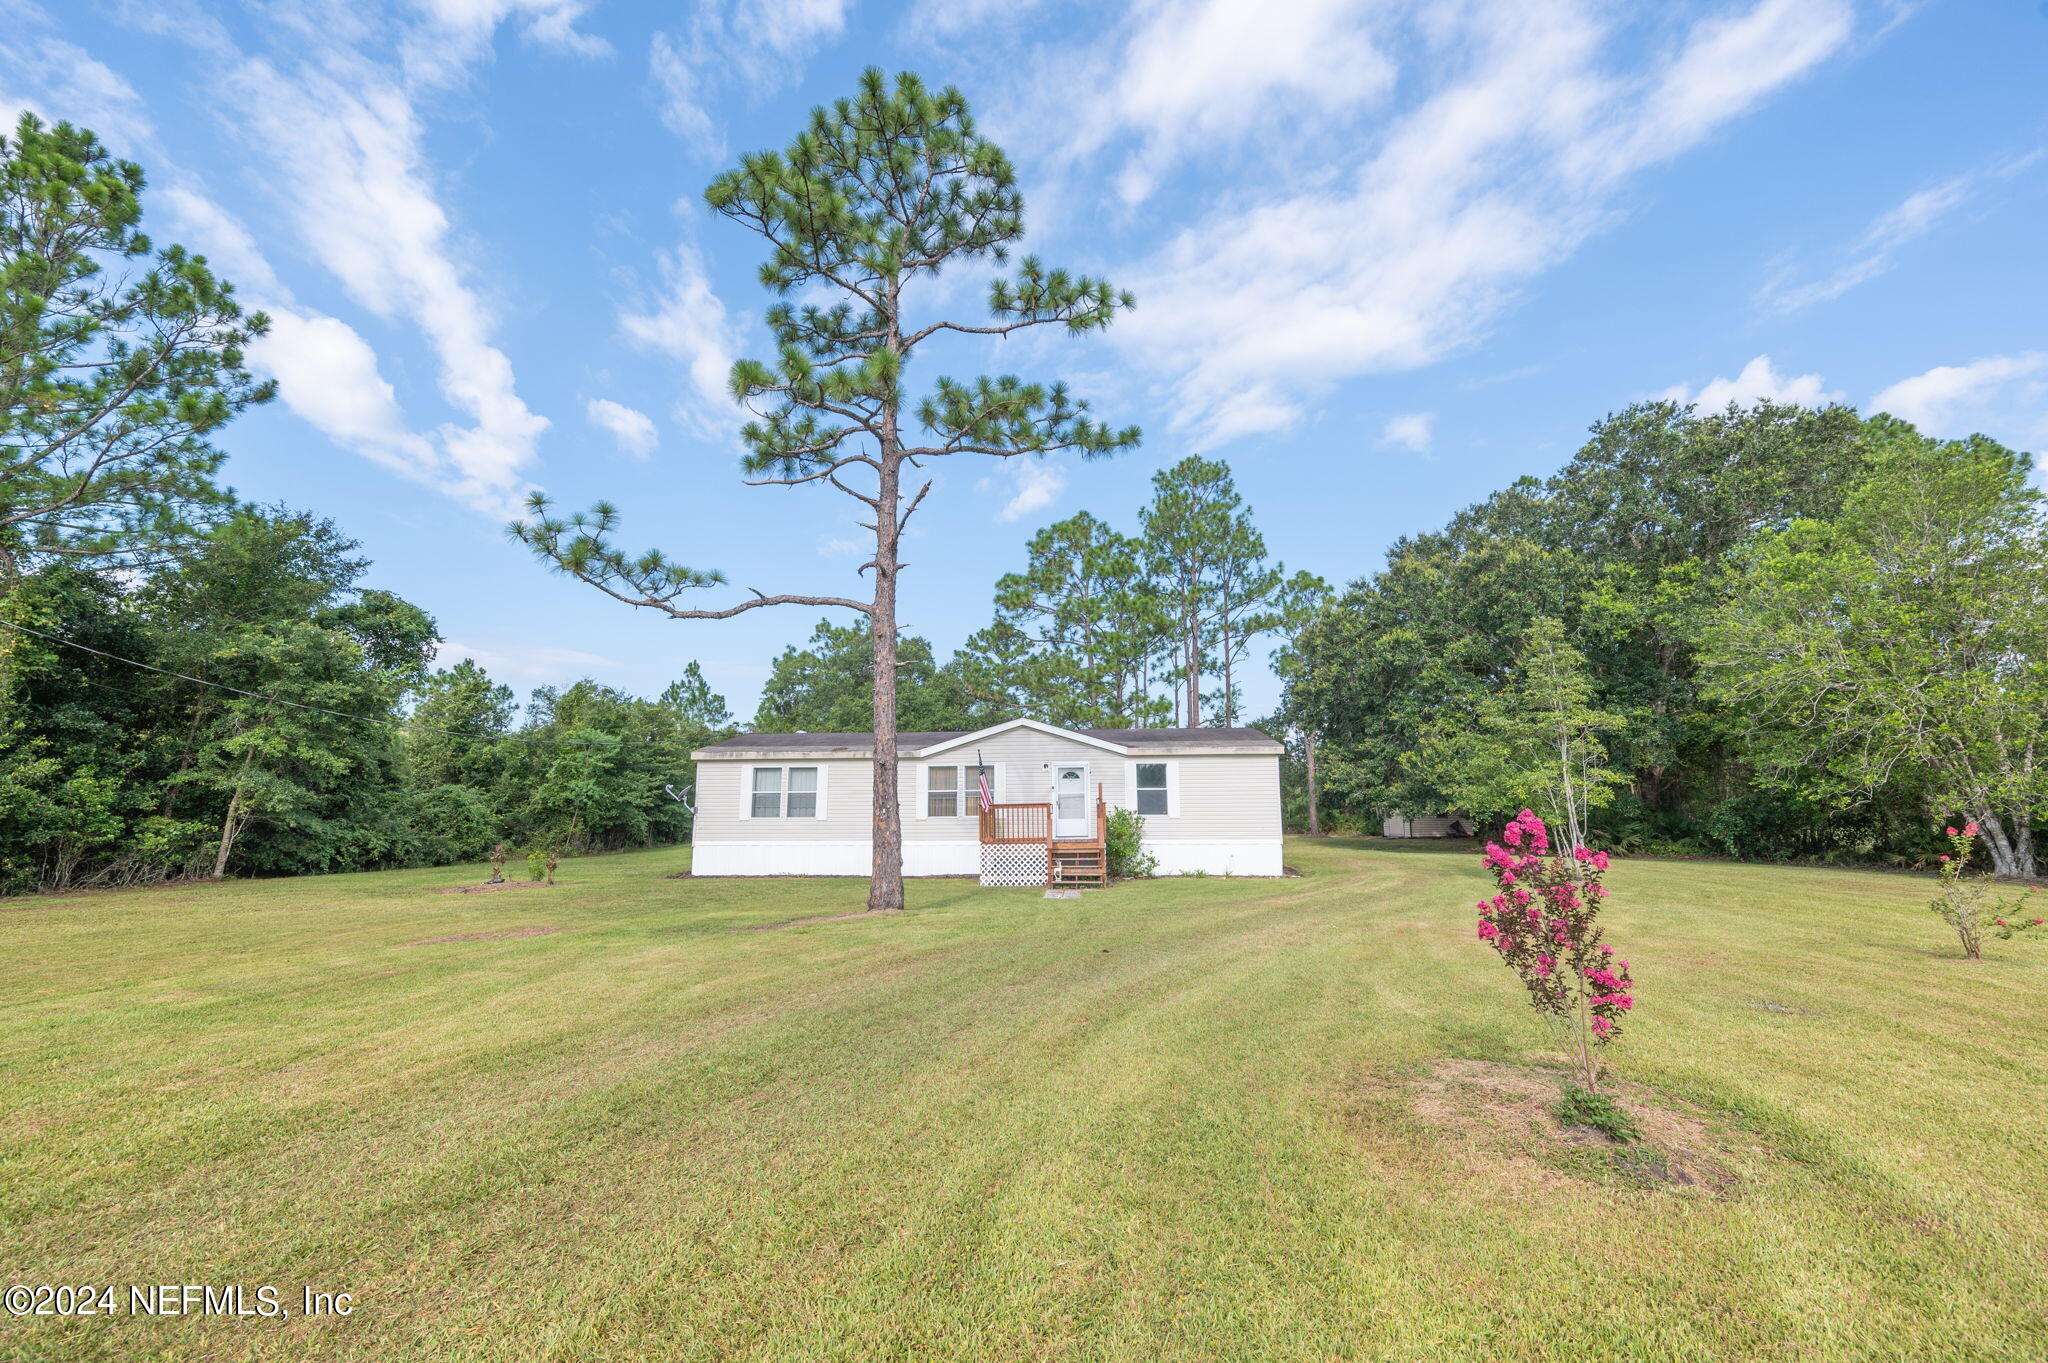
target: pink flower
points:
(1487, 932)
(1944, 856)
(2036, 923)
(1602, 1027)
(1950, 830)
(1513, 834)
(1969, 830)
(1600, 860)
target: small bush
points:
(1128, 859)
(1578, 1107)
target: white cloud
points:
(1876, 249)
(834, 546)
(1206, 70)
(328, 376)
(2009, 391)
(347, 149)
(687, 321)
(1409, 431)
(456, 33)
(634, 430)
(1759, 381)
(734, 46)
(1517, 152)
(1038, 484)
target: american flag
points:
(988, 797)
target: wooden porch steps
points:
(1077, 863)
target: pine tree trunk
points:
(1308, 751)
(1191, 648)
(885, 884)
(1229, 696)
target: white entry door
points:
(1070, 802)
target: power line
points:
(340, 714)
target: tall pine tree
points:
(880, 193)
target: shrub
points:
(1580, 1107)
(1125, 847)
(1544, 922)
(1967, 904)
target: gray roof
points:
(860, 744)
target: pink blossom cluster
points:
(1543, 922)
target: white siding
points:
(724, 797)
(1223, 816)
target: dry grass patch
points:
(1510, 1109)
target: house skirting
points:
(1241, 857)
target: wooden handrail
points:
(1017, 823)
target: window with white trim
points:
(784, 792)
(951, 792)
(1149, 780)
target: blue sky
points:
(1389, 256)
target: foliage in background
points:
(113, 774)
(1536, 738)
(828, 686)
(1904, 638)
(1637, 548)
(1097, 631)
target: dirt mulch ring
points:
(489, 888)
(501, 935)
(1507, 1108)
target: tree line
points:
(193, 685)
(1098, 630)
(1787, 632)
(248, 708)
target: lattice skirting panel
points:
(1013, 863)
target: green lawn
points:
(1172, 1120)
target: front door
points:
(1070, 801)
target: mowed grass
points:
(1165, 1121)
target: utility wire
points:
(361, 719)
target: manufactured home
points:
(1016, 803)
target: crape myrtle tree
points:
(881, 192)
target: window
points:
(784, 792)
(803, 792)
(953, 791)
(942, 792)
(1151, 784)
